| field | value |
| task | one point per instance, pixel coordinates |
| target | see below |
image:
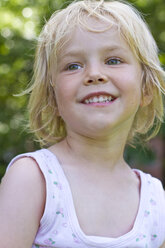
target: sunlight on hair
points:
(44, 121)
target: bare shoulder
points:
(23, 169)
(22, 201)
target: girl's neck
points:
(107, 151)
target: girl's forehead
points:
(81, 38)
(89, 25)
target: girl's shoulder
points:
(22, 200)
(43, 158)
(149, 181)
(153, 193)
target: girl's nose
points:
(96, 79)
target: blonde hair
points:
(47, 125)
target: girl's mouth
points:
(98, 99)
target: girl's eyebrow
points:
(80, 52)
(72, 53)
(115, 48)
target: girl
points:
(98, 86)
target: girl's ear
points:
(146, 99)
(52, 86)
(58, 113)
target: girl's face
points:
(98, 83)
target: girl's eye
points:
(113, 61)
(73, 67)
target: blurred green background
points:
(20, 23)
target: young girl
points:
(98, 86)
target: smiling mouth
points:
(101, 99)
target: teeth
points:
(101, 99)
(95, 99)
(98, 99)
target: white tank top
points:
(59, 226)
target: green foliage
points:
(20, 23)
